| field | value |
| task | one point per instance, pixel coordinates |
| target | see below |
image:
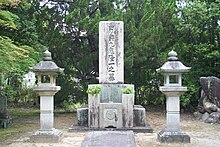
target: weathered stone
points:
(127, 110)
(109, 139)
(93, 101)
(112, 109)
(197, 115)
(110, 115)
(82, 117)
(111, 52)
(214, 118)
(172, 88)
(139, 116)
(205, 116)
(166, 136)
(50, 136)
(210, 94)
(46, 88)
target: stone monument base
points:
(166, 136)
(50, 136)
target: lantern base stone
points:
(166, 136)
(47, 136)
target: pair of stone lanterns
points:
(172, 71)
(46, 88)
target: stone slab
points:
(139, 116)
(53, 136)
(111, 52)
(109, 139)
(143, 129)
(82, 117)
(165, 136)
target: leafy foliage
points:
(94, 90)
(128, 90)
(69, 29)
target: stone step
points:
(109, 139)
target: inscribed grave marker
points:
(111, 52)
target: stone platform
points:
(109, 139)
(146, 129)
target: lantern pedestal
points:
(173, 132)
(46, 133)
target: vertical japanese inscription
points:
(111, 52)
(111, 55)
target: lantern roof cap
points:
(173, 65)
(47, 65)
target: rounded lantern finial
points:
(47, 56)
(172, 56)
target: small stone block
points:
(54, 136)
(139, 116)
(165, 136)
(82, 117)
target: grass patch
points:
(19, 112)
(14, 130)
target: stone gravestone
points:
(4, 119)
(111, 52)
(112, 108)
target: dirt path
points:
(202, 134)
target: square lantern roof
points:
(47, 65)
(173, 65)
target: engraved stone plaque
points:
(111, 52)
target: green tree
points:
(19, 46)
(149, 35)
(199, 43)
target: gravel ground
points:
(201, 134)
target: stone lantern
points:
(46, 88)
(172, 71)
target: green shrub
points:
(93, 90)
(128, 90)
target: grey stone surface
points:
(110, 115)
(93, 101)
(82, 117)
(127, 110)
(50, 136)
(165, 136)
(111, 52)
(210, 99)
(205, 116)
(109, 139)
(139, 116)
(214, 118)
(197, 115)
